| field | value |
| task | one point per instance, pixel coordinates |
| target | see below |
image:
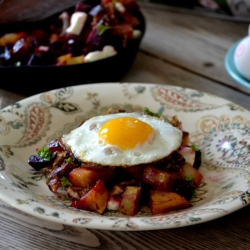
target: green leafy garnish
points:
(194, 194)
(44, 153)
(102, 28)
(189, 178)
(69, 160)
(149, 112)
(65, 182)
(194, 147)
(114, 2)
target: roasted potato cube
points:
(94, 200)
(190, 171)
(159, 179)
(130, 202)
(86, 176)
(164, 202)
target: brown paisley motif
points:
(57, 97)
(4, 127)
(6, 150)
(36, 123)
(2, 164)
(48, 97)
(181, 99)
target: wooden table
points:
(179, 49)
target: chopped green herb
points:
(189, 178)
(65, 182)
(69, 160)
(102, 28)
(194, 147)
(44, 153)
(149, 112)
(114, 2)
(194, 194)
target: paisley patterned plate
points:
(220, 128)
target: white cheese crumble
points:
(107, 51)
(77, 23)
(120, 7)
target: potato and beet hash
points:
(90, 31)
(164, 185)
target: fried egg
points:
(123, 139)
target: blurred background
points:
(228, 9)
(16, 10)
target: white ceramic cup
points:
(242, 57)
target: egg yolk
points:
(126, 132)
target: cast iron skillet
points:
(30, 80)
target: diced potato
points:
(190, 171)
(117, 190)
(159, 179)
(75, 60)
(11, 38)
(63, 59)
(130, 202)
(86, 176)
(95, 200)
(164, 202)
(68, 59)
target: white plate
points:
(220, 128)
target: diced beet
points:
(54, 183)
(37, 162)
(184, 188)
(197, 162)
(63, 170)
(54, 146)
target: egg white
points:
(88, 148)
